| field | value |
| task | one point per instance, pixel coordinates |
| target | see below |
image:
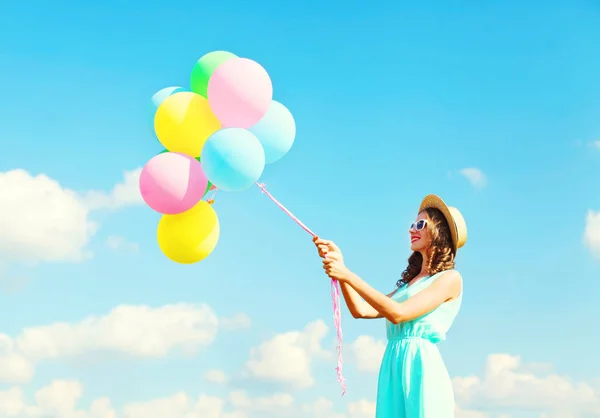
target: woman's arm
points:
(356, 304)
(445, 288)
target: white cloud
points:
(236, 322)
(59, 400)
(595, 144)
(287, 358)
(125, 193)
(362, 409)
(475, 176)
(321, 408)
(238, 404)
(40, 220)
(462, 413)
(215, 376)
(367, 353)
(275, 402)
(14, 367)
(118, 243)
(179, 405)
(591, 234)
(135, 330)
(507, 385)
(60, 397)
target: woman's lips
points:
(415, 238)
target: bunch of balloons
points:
(218, 134)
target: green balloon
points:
(204, 68)
(197, 158)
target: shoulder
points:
(450, 275)
(450, 281)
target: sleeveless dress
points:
(413, 380)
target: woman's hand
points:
(325, 247)
(333, 261)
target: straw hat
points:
(458, 227)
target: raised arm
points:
(356, 305)
(445, 288)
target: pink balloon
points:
(172, 183)
(239, 92)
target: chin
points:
(416, 246)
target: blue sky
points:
(391, 103)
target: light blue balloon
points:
(160, 97)
(276, 131)
(233, 159)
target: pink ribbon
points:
(335, 294)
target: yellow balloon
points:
(190, 236)
(183, 122)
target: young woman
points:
(413, 380)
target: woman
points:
(413, 380)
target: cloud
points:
(320, 408)
(14, 367)
(595, 144)
(462, 413)
(139, 331)
(361, 409)
(40, 220)
(120, 244)
(508, 385)
(215, 376)
(59, 399)
(239, 404)
(278, 401)
(125, 193)
(236, 322)
(179, 405)
(475, 177)
(505, 387)
(591, 234)
(367, 353)
(287, 358)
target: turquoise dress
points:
(413, 380)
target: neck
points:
(424, 269)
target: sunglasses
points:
(419, 225)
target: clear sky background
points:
(495, 106)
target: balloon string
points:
(335, 293)
(283, 208)
(211, 199)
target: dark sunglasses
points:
(419, 225)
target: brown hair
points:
(440, 254)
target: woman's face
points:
(419, 233)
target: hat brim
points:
(435, 202)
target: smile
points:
(413, 239)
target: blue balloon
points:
(160, 97)
(233, 159)
(276, 131)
